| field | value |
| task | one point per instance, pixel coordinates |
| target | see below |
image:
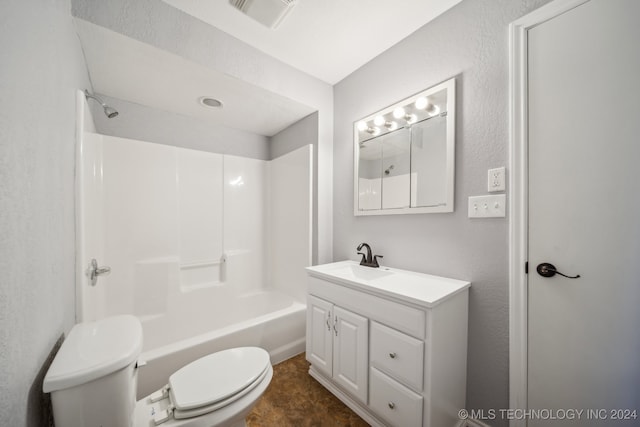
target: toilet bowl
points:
(93, 380)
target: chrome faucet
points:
(368, 260)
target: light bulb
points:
(422, 103)
(398, 113)
(376, 131)
(362, 126)
(379, 121)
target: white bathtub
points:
(197, 327)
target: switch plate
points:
(496, 180)
(491, 206)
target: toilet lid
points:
(94, 350)
(216, 377)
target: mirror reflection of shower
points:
(389, 169)
(110, 112)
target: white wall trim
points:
(81, 110)
(518, 202)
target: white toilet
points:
(93, 380)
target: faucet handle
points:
(375, 260)
(364, 258)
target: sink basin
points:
(423, 289)
(356, 271)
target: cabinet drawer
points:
(397, 354)
(394, 402)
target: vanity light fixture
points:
(433, 110)
(364, 127)
(382, 121)
(422, 103)
(411, 118)
(391, 125)
(401, 113)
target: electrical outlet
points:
(496, 180)
(491, 206)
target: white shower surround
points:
(208, 250)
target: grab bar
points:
(222, 262)
(200, 264)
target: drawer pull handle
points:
(392, 355)
(392, 405)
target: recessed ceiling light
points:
(210, 102)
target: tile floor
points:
(295, 399)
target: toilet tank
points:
(93, 378)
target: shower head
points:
(110, 112)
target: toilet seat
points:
(216, 380)
(182, 414)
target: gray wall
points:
(42, 67)
(299, 134)
(471, 42)
(148, 124)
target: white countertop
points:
(418, 288)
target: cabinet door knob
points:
(392, 355)
(392, 405)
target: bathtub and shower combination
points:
(207, 250)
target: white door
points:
(320, 334)
(350, 354)
(584, 215)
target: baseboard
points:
(287, 351)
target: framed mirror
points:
(404, 155)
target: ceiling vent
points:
(267, 12)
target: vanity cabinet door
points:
(350, 355)
(320, 334)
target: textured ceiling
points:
(127, 69)
(166, 54)
(328, 39)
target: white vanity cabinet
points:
(337, 344)
(391, 344)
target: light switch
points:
(492, 206)
(496, 180)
